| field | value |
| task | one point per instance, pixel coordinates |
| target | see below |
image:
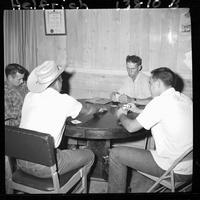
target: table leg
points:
(100, 149)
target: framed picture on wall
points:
(54, 20)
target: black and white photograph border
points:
(185, 27)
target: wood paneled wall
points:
(98, 41)
(102, 39)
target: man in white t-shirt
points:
(45, 110)
(170, 117)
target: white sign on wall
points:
(55, 22)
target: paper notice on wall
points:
(185, 23)
(188, 59)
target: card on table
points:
(75, 121)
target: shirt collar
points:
(168, 91)
(137, 77)
(50, 90)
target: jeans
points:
(67, 160)
(138, 159)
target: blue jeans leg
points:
(122, 157)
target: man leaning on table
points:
(45, 110)
(170, 117)
(135, 89)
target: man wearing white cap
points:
(45, 110)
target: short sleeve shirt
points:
(47, 111)
(170, 118)
(139, 88)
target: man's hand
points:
(91, 109)
(123, 98)
(121, 111)
(88, 109)
(115, 96)
(132, 107)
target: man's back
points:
(47, 111)
(171, 123)
(176, 121)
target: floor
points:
(96, 186)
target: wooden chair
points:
(167, 180)
(38, 148)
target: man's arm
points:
(114, 96)
(127, 99)
(141, 101)
(13, 106)
(131, 125)
(88, 109)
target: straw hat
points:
(43, 75)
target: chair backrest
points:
(29, 145)
(187, 155)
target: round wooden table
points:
(98, 130)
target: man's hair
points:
(134, 59)
(165, 74)
(13, 68)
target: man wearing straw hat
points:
(45, 110)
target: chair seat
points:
(45, 184)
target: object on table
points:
(129, 107)
(100, 111)
(71, 121)
(75, 121)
